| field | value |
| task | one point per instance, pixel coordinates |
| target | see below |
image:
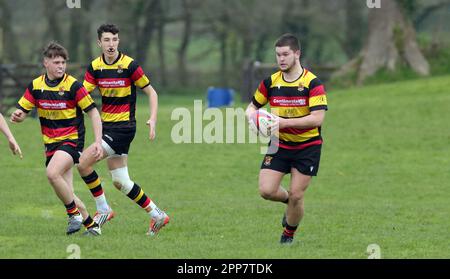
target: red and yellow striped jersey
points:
(117, 84)
(59, 107)
(293, 100)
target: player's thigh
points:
(60, 163)
(299, 183)
(270, 180)
(117, 162)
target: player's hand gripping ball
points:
(263, 123)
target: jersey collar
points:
(55, 82)
(304, 71)
(115, 61)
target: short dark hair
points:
(107, 28)
(53, 49)
(289, 40)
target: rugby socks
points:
(95, 186)
(289, 231)
(72, 209)
(89, 223)
(138, 196)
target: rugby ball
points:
(261, 123)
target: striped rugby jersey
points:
(117, 84)
(293, 100)
(59, 107)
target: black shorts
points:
(306, 161)
(72, 151)
(119, 139)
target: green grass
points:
(383, 179)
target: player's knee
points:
(296, 196)
(53, 176)
(266, 195)
(121, 180)
(266, 192)
(82, 167)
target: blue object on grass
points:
(219, 97)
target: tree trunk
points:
(87, 37)
(146, 33)
(391, 39)
(261, 46)
(74, 34)
(10, 51)
(354, 34)
(134, 19)
(295, 20)
(51, 12)
(223, 59)
(247, 45)
(234, 43)
(182, 50)
(223, 39)
(161, 52)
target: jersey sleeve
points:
(261, 96)
(90, 82)
(27, 102)
(317, 96)
(138, 76)
(82, 97)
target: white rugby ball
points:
(261, 122)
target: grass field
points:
(384, 180)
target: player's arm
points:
(260, 98)
(142, 81)
(90, 83)
(18, 116)
(96, 120)
(15, 148)
(86, 103)
(25, 104)
(153, 106)
(315, 119)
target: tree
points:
(391, 40)
(161, 37)
(428, 10)
(185, 39)
(10, 51)
(145, 33)
(86, 37)
(52, 9)
(74, 34)
(354, 33)
(291, 18)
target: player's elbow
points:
(317, 118)
(150, 91)
(318, 122)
